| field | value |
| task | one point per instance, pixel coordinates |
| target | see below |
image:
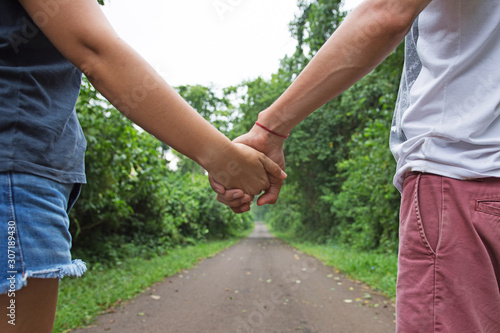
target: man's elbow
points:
(394, 16)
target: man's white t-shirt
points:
(447, 120)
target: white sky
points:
(208, 42)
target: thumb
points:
(271, 195)
(272, 168)
(216, 186)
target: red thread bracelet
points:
(272, 132)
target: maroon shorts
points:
(449, 256)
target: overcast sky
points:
(208, 42)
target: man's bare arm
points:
(367, 36)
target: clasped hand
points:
(253, 178)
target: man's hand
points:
(272, 147)
(243, 167)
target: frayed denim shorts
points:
(34, 238)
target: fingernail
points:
(283, 174)
(237, 195)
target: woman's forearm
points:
(137, 91)
(81, 32)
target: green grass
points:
(377, 270)
(82, 299)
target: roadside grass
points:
(81, 300)
(377, 270)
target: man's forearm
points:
(366, 37)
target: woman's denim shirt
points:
(39, 130)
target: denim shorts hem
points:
(76, 268)
(18, 280)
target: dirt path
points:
(260, 285)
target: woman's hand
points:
(244, 168)
(271, 146)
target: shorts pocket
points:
(429, 210)
(489, 206)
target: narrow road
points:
(260, 285)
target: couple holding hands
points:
(46, 45)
